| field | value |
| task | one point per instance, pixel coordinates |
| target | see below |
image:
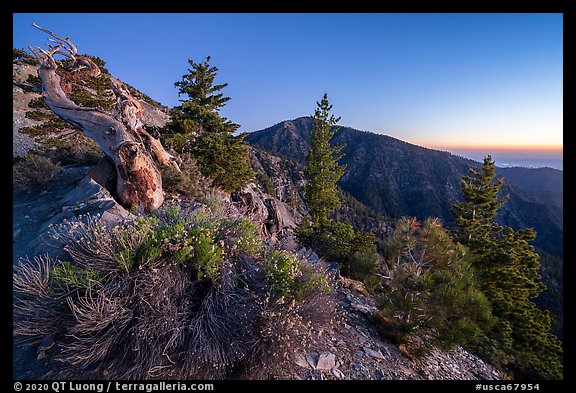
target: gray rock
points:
(337, 373)
(333, 269)
(334, 266)
(363, 308)
(153, 116)
(313, 257)
(22, 144)
(360, 367)
(312, 359)
(90, 198)
(374, 354)
(301, 361)
(326, 361)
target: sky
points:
(448, 81)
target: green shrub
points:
(32, 131)
(242, 235)
(264, 181)
(99, 62)
(208, 316)
(186, 324)
(54, 125)
(391, 329)
(188, 242)
(25, 57)
(215, 204)
(34, 80)
(83, 97)
(372, 283)
(431, 295)
(310, 282)
(125, 260)
(362, 264)
(77, 149)
(127, 239)
(206, 256)
(291, 279)
(72, 276)
(301, 307)
(282, 270)
(38, 115)
(340, 241)
(38, 103)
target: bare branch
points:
(43, 57)
(160, 153)
(95, 70)
(71, 47)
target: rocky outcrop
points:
(22, 143)
(70, 197)
(281, 178)
(277, 219)
(89, 198)
(154, 116)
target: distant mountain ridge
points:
(396, 178)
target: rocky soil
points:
(352, 349)
(22, 143)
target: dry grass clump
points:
(299, 306)
(38, 168)
(34, 171)
(177, 295)
(75, 149)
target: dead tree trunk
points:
(119, 132)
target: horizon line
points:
(511, 147)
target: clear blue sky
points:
(437, 80)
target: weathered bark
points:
(119, 133)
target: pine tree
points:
(507, 266)
(322, 168)
(475, 215)
(198, 128)
(431, 292)
(335, 240)
(204, 100)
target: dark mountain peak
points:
(291, 138)
(396, 178)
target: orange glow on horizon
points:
(541, 148)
